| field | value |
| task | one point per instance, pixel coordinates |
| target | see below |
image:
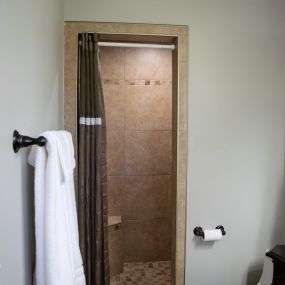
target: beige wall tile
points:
(114, 105)
(115, 187)
(174, 89)
(70, 83)
(112, 63)
(148, 107)
(173, 204)
(180, 243)
(141, 63)
(182, 97)
(179, 279)
(182, 165)
(147, 240)
(183, 47)
(116, 250)
(115, 152)
(148, 152)
(132, 28)
(147, 197)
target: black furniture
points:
(277, 254)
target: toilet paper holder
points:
(199, 232)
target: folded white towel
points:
(58, 258)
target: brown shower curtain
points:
(92, 165)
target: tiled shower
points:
(137, 85)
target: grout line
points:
(124, 116)
(146, 219)
(124, 249)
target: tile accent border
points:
(148, 82)
(70, 109)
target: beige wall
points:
(31, 56)
(236, 124)
(137, 86)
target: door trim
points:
(180, 62)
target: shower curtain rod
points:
(134, 45)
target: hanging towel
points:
(58, 258)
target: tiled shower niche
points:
(137, 86)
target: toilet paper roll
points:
(212, 235)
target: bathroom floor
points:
(144, 273)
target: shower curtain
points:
(92, 165)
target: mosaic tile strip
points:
(113, 81)
(147, 82)
(144, 273)
(137, 82)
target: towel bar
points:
(20, 141)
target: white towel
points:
(58, 258)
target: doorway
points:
(145, 92)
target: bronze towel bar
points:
(20, 141)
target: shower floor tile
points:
(144, 273)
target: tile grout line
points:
(125, 163)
